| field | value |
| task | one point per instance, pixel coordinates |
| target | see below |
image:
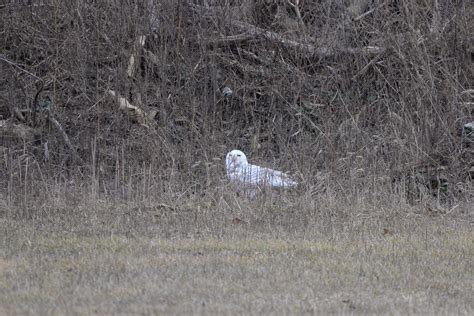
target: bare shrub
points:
(365, 91)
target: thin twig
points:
(5, 59)
(55, 122)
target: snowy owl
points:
(240, 171)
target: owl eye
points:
(239, 155)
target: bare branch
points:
(296, 7)
(5, 59)
(309, 49)
(303, 47)
(58, 126)
(125, 105)
(133, 61)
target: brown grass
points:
(111, 213)
(283, 255)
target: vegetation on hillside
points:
(382, 88)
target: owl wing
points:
(257, 175)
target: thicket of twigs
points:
(128, 92)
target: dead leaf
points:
(237, 221)
(387, 232)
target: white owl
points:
(240, 171)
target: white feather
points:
(239, 170)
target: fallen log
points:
(256, 32)
(124, 104)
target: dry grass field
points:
(228, 255)
(116, 118)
